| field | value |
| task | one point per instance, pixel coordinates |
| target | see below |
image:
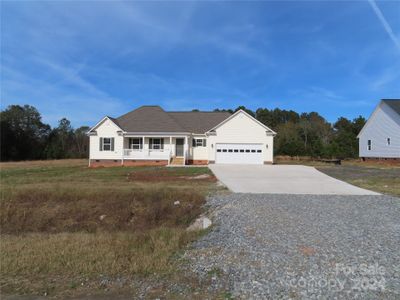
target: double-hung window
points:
(136, 143)
(369, 145)
(106, 144)
(156, 143)
(199, 142)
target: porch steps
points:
(177, 161)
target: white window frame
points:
(200, 142)
(388, 141)
(108, 144)
(158, 146)
(136, 146)
(369, 145)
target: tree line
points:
(309, 134)
(25, 137)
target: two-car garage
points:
(240, 139)
(235, 153)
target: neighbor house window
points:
(156, 143)
(199, 143)
(106, 144)
(388, 141)
(136, 143)
(369, 145)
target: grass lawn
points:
(379, 177)
(67, 229)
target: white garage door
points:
(239, 154)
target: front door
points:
(179, 147)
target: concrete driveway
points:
(282, 179)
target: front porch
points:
(173, 149)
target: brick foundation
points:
(145, 162)
(95, 163)
(198, 162)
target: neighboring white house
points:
(151, 136)
(380, 136)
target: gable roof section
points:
(394, 104)
(101, 122)
(199, 121)
(246, 114)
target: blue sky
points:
(84, 60)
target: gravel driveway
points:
(302, 246)
(282, 179)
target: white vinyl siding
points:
(107, 129)
(383, 132)
(197, 152)
(241, 129)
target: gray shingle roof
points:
(199, 121)
(393, 104)
(155, 119)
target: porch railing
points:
(147, 154)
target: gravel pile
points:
(302, 246)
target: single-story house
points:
(151, 136)
(380, 136)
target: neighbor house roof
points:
(155, 119)
(393, 104)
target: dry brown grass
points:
(44, 163)
(60, 219)
(90, 255)
(136, 210)
(166, 175)
(379, 176)
(37, 263)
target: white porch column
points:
(143, 145)
(185, 149)
(170, 149)
(123, 150)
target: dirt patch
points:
(307, 251)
